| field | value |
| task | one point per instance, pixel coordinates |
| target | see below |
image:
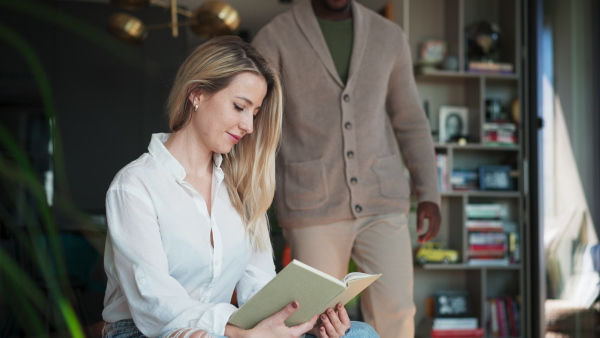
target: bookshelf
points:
(482, 145)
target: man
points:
(341, 191)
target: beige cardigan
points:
(339, 156)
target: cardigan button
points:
(353, 180)
(346, 97)
(348, 125)
(350, 154)
(358, 208)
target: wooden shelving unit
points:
(446, 20)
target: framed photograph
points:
(452, 304)
(454, 123)
(495, 177)
(432, 52)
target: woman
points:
(187, 220)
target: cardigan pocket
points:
(305, 185)
(390, 173)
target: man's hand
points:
(430, 211)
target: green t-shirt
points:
(339, 37)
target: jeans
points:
(126, 329)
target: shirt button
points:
(346, 97)
(142, 281)
(358, 208)
(218, 262)
(350, 154)
(348, 125)
(354, 180)
(204, 299)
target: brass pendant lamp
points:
(211, 19)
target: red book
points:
(437, 333)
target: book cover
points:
(314, 290)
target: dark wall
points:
(109, 96)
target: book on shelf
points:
(514, 247)
(485, 211)
(314, 290)
(463, 333)
(490, 67)
(488, 261)
(503, 320)
(487, 251)
(484, 225)
(487, 238)
(499, 133)
(442, 169)
(455, 323)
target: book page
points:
(355, 286)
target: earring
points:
(195, 106)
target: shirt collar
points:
(158, 150)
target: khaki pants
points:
(377, 244)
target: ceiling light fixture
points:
(211, 19)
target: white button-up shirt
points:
(162, 270)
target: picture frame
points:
(432, 52)
(454, 123)
(495, 177)
(452, 304)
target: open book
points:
(314, 290)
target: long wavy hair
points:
(250, 166)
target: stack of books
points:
(487, 240)
(503, 317)
(499, 133)
(490, 67)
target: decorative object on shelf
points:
(494, 110)
(452, 304)
(495, 177)
(454, 123)
(483, 41)
(434, 252)
(450, 63)
(211, 19)
(515, 111)
(432, 53)
(464, 179)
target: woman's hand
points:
(274, 326)
(333, 324)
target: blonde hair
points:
(250, 166)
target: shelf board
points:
(481, 193)
(464, 266)
(435, 73)
(476, 146)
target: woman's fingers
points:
(334, 324)
(304, 327)
(343, 315)
(287, 311)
